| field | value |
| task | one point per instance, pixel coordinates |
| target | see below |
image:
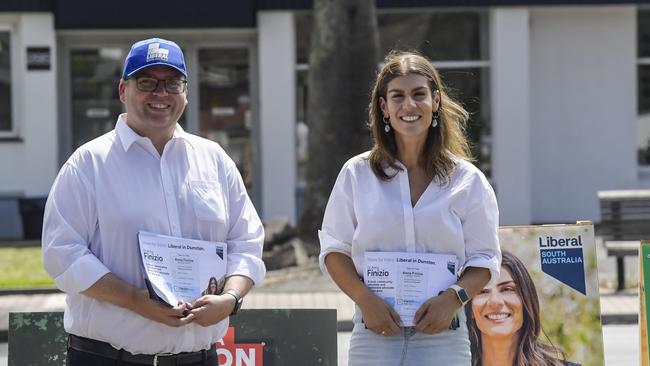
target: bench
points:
(624, 222)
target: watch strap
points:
(238, 300)
(460, 293)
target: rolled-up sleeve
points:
(246, 234)
(339, 221)
(68, 225)
(481, 229)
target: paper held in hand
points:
(180, 269)
(406, 280)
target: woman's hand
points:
(378, 316)
(435, 315)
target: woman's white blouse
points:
(365, 213)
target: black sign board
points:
(256, 337)
(38, 58)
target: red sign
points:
(239, 354)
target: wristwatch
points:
(460, 293)
(238, 301)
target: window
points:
(94, 76)
(6, 124)
(457, 44)
(225, 112)
(643, 85)
(441, 36)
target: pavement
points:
(299, 287)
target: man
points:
(146, 175)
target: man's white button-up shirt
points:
(118, 184)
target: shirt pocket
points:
(207, 200)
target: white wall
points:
(509, 87)
(29, 165)
(277, 80)
(583, 108)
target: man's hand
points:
(378, 316)
(436, 314)
(151, 309)
(211, 309)
(111, 289)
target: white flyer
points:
(181, 269)
(407, 280)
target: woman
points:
(214, 287)
(415, 192)
(504, 323)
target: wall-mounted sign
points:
(38, 58)
(98, 112)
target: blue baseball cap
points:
(153, 51)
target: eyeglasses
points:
(172, 86)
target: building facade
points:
(559, 92)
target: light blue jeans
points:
(449, 348)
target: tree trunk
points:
(342, 66)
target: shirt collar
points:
(127, 136)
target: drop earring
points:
(386, 126)
(434, 120)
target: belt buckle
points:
(155, 357)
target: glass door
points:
(219, 94)
(95, 102)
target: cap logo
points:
(154, 52)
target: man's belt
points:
(104, 349)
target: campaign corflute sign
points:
(555, 266)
